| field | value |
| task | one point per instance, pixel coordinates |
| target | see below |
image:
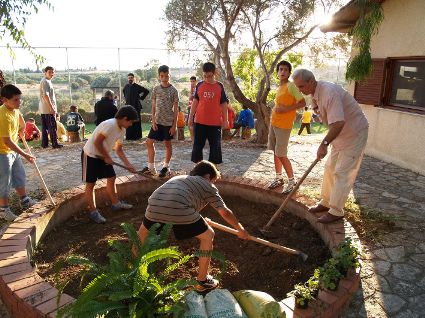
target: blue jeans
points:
(213, 134)
(12, 173)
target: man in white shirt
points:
(48, 110)
(348, 131)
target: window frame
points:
(388, 85)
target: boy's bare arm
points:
(154, 126)
(49, 102)
(21, 124)
(14, 147)
(225, 115)
(193, 111)
(120, 152)
(173, 128)
(284, 109)
(230, 218)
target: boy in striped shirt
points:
(165, 108)
(178, 202)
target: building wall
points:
(397, 136)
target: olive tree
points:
(220, 26)
(13, 17)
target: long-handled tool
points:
(38, 172)
(137, 172)
(282, 206)
(258, 240)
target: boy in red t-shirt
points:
(31, 130)
(210, 109)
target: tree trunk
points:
(262, 114)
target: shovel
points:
(258, 240)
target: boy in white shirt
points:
(97, 163)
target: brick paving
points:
(393, 276)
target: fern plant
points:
(132, 286)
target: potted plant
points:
(330, 275)
(347, 256)
(302, 296)
(313, 284)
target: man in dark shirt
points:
(105, 108)
(133, 94)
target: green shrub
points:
(329, 275)
(347, 256)
(302, 295)
(130, 286)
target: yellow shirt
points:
(288, 95)
(9, 127)
(307, 117)
(61, 131)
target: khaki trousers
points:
(341, 169)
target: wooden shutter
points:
(371, 90)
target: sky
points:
(98, 23)
(95, 23)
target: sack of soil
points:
(220, 303)
(195, 306)
(257, 304)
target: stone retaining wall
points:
(26, 294)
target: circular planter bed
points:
(64, 230)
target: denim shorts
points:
(12, 173)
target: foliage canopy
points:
(13, 17)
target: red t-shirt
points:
(30, 128)
(210, 97)
(230, 117)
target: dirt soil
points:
(250, 265)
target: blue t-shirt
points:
(246, 118)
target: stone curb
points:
(26, 294)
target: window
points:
(407, 85)
(396, 83)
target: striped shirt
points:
(165, 97)
(179, 200)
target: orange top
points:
(286, 95)
(180, 120)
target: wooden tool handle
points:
(38, 172)
(252, 238)
(288, 197)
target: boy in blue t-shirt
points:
(245, 120)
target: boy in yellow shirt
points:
(288, 100)
(12, 172)
(305, 121)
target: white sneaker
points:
(289, 187)
(149, 172)
(121, 205)
(27, 202)
(7, 214)
(275, 183)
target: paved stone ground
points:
(393, 278)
